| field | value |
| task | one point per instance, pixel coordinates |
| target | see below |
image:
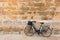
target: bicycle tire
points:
(28, 31)
(49, 34)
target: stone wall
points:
(29, 9)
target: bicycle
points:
(45, 30)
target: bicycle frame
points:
(43, 29)
(37, 30)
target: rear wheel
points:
(28, 30)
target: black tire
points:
(28, 31)
(47, 33)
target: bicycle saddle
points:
(41, 22)
(29, 23)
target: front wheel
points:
(47, 33)
(28, 30)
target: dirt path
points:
(24, 37)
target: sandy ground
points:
(24, 37)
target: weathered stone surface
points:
(29, 9)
